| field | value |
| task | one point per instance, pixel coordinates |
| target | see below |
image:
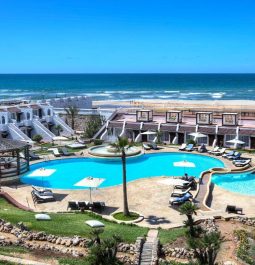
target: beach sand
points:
(196, 105)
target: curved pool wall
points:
(103, 151)
(69, 171)
(237, 182)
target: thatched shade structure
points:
(14, 158)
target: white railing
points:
(41, 129)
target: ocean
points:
(129, 86)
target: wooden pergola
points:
(14, 158)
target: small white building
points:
(23, 121)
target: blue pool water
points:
(70, 171)
(243, 183)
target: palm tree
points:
(72, 112)
(120, 146)
(189, 209)
(58, 128)
(206, 247)
(95, 235)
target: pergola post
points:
(18, 161)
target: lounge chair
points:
(182, 147)
(236, 156)
(189, 147)
(180, 200)
(202, 149)
(146, 146)
(241, 163)
(153, 146)
(55, 152)
(98, 206)
(215, 149)
(234, 209)
(192, 184)
(84, 205)
(230, 153)
(43, 191)
(180, 193)
(40, 198)
(66, 152)
(72, 205)
(219, 152)
(33, 156)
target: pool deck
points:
(148, 196)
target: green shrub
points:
(37, 138)
(98, 142)
(191, 141)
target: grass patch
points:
(72, 261)
(170, 235)
(6, 250)
(121, 217)
(69, 224)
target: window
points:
(28, 116)
(49, 112)
(3, 120)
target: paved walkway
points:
(149, 248)
(21, 261)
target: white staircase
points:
(68, 131)
(39, 128)
(16, 133)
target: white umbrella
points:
(90, 182)
(59, 138)
(184, 164)
(236, 141)
(148, 133)
(173, 181)
(197, 135)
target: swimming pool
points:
(65, 173)
(242, 183)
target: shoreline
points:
(225, 105)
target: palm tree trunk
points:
(73, 117)
(124, 175)
(191, 225)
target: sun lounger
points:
(180, 200)
(42, 191)
(241, 163)
(215, 149)
(236, 156)
(84, 205)
(189, 147)
(202, 149)
(179, 193)
(98, 206)
(33, 156)
(192, 184)
(230, 153)
(153, 146)
(234, 209)
(146, 147)
(219, 152)
(72, 205)
(55, 152)
(66, 152)
(40, 198)
(182, 147)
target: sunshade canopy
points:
(90, 182)
(184, 163)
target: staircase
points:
(16, 133)
(39, 128)
(68, 131)
(149, 255)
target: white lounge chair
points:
(146, 146)
(215, 149)
(182, 147)
(219, 152)
(178, 193)
(55, 151)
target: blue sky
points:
(127, 36)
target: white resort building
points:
(24, 120)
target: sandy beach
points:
(220, 105)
